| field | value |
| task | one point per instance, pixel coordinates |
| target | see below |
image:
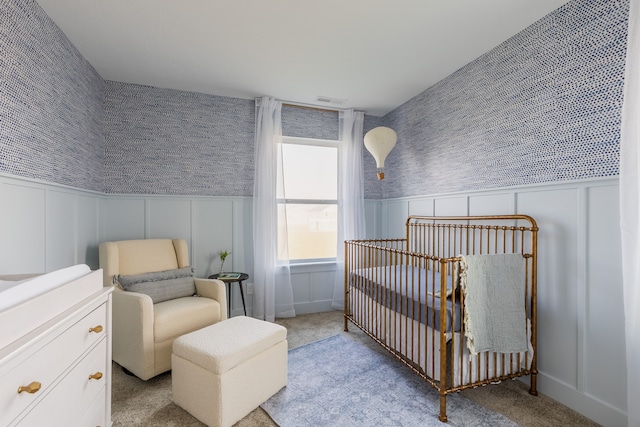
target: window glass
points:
(307, 197)
(309, 172)
(312, 231)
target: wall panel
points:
(313, 287)
(22, 247)
(302, 292)
(213, 233)
(319, 286)
(451, 206)
(492, 204)
(421, 207)
(604, 356)
(60, 234)
(556, 213)
(169, 219)
(123, 218)
(87, 228)
(394, 216)
(372, 215)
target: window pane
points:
(312, 230)
(309, 172)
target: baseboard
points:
(300, 308)
(592, 408)
(313, 307)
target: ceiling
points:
(371, 55)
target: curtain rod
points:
(310, 107)
(315, 108)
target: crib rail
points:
(404, 294)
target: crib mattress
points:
(411, 291)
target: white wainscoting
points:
(581, 326)
(581, 350)
(46, 227)
(209, 224)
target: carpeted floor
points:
(148, 403)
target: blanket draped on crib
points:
(495, 315)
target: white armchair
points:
(143, 332)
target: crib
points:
(410, 295)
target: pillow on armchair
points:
(160, 286)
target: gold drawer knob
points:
(31, 388)
(96, 329)
(95, 376)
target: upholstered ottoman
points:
(224, 371)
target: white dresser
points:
(55, 357)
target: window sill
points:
(311, 266)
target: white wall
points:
(581, 353)
(50, 226)
(581, 326)
(46, 227)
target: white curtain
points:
(630, 211)
(273, 294)
(350, 193)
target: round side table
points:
(228, 281)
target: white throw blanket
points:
(495, 316)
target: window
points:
(308, 198)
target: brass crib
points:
(404, 294)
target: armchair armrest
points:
(213, 289)
(133, 343)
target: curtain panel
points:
(351, 216)
(273, 294)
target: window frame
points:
(294, 140)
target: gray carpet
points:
(149, 404)
(339, 382)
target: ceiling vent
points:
(329, 100)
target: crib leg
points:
(534, 385)
(443, 408)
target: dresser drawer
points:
(48, 363)
(96, 414)
(67, 404)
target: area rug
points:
(340, 382)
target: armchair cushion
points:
(160, 286)
(174, 318)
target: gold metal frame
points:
(374, 301)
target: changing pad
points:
(13, 293)
(28, 304)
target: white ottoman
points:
(224, 371)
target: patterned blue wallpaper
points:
(543, 106)
(308, 123)
(162, 141)
(50, 102)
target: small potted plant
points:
(223, 255)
